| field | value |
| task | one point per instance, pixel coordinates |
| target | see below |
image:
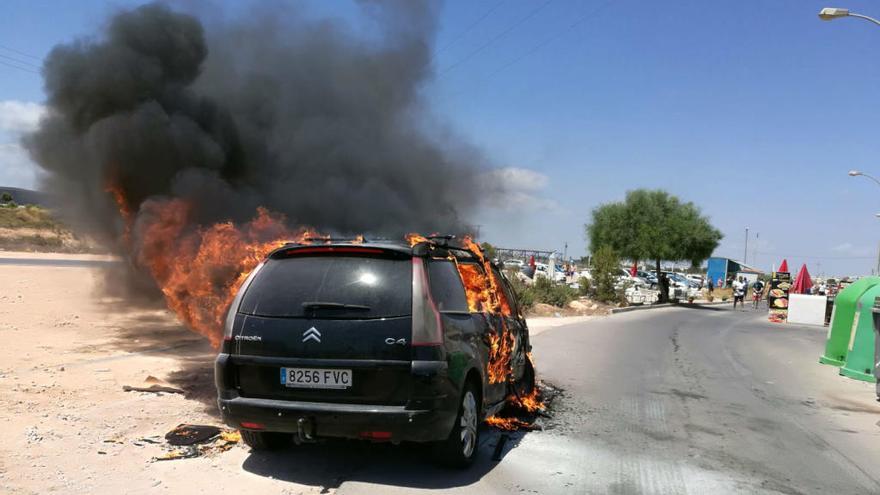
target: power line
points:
(469, 28)
(795, 256)
(487, 44)
(19, 68)
(13, 50)
(559, 34)
(22, 62)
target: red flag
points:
(532, 262)
(783, 267)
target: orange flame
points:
(124, 210)
(484, 292)
(199, 270)
(414, 239)
(509, 424)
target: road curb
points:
(627, 309)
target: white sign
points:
(806, 309)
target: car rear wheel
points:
(265, 440)
(526, 384)
(460, 448)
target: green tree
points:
(653, 225)
(6, 197)
(489, 250)
(605, 268)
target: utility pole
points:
(565, 253)
(878, 262)
(746, 251)
(755, 249)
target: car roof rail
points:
(441, 239)
(355, 239)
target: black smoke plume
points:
(304, 117)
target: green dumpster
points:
(860, 356)
(842, 317)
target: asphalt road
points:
(666, 401)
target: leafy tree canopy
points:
(653, 225)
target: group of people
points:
(740, 288)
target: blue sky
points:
(753, 110)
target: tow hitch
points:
(305, 431)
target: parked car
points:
(517, 264)
(681, 280)
(624, 279)
(648, 277)
(541, 271)
(372, 341)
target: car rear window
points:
(368, 287)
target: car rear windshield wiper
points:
(333, 305)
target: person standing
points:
(757, 292)
(739, 293)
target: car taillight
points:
(427, 328)
(233, 308)
(252, 426)
(376, 435)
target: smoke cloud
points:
(303, 117)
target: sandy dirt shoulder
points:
(57, 256)
(68, 425)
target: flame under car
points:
(386, 342)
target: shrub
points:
(584, 286)
(542, 291)
(524, 294)
(606, 266)
(554, 294)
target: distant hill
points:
(26, 196)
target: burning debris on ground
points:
(188, 441)
(153, 385)
(526, 413)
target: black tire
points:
(526, 382)
(265, 440)
(461, 446)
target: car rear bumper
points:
(338, 420)
(426, 417)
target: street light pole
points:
(831, 13)
(858, 173)
(746, 250)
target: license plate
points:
(315, 378)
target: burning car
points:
(417, 341)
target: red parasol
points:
(783, 267)
(802, 283)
